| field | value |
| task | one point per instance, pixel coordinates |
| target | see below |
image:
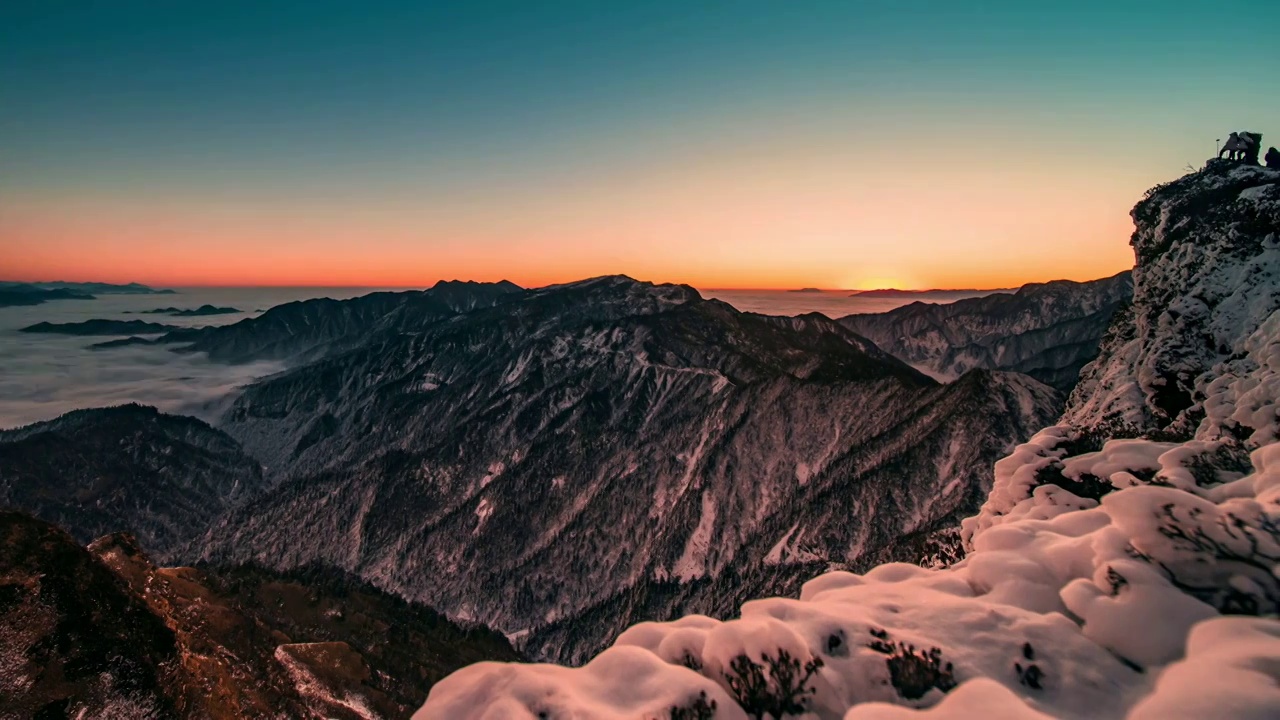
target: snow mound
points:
(1232, 669)
(1066, 606)
(979, 698)
(621, 683)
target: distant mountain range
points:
(99, 327)
(1046, 330)
(579, 449)
(588, 454)
(557, 463)
(24, 293)
(895, 293)
(190, 312)
(93, 288)
(308, 330)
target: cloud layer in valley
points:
(45, 376)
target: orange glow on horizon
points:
(283, 259)
(775, 218)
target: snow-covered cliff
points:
(1106, 577)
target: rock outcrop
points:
(1207, 279)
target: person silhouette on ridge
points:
(1232, 147)
(1252, 147)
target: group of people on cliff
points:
(1245, 146)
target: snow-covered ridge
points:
(1125, 564)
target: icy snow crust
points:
(1139, 577)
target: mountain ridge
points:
(1047, 330)
(101, 470)
(497, 448)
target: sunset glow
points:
(802, 154)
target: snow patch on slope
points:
(311, 687)
(693, 562)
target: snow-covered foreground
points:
(1066, 607)
(1104, 578)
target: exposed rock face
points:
(1207, 278)
(104, 632)
(162, 477)
(525, 463)
(1046, 330)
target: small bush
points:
(691, 662)
(836, 645)
(776, 686)
(1030, 676)
(880, 641)
(914, 673)
(1086, 486)
(699, 708)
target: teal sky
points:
(552, 139)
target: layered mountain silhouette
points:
(556, 463)
(307, 330)
(16, 294)
(99, 327)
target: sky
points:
(747, 144)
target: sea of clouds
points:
(43, 376)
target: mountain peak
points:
(1207, 205)
(619, 295)
(504, 285)
(624, 283)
